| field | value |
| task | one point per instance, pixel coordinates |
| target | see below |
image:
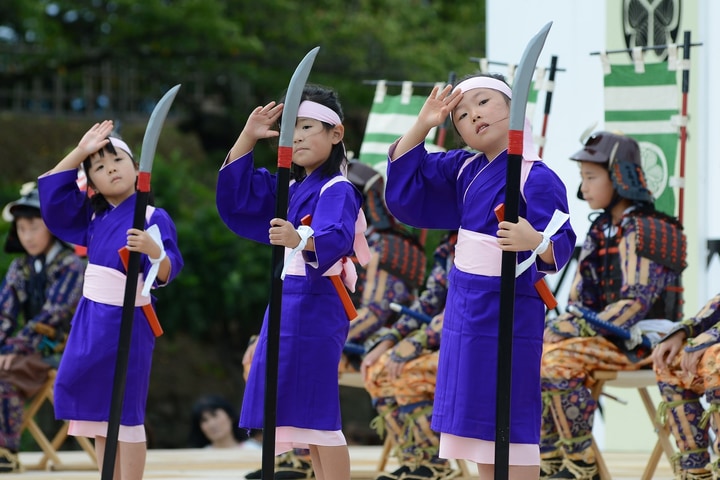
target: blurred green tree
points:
(230, 55)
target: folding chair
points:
(48, 447)
(639, 380)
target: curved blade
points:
(523, 76)
(152, 131)
(292, 97)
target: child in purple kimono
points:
(103, 223)
(314, 325)
(460, 190)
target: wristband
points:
(557, 221)
(154, 232)
(305, 232)
(543, 246)
(162, 257)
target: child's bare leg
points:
(100, 453)
(131, 458)
(485, 471)
(316, 462)
(521, 472)
(330, 463)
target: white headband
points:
(318, 111)
(117, 143)
(484, 82)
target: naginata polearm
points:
(285, 152)
(147, 155)
(520, 90)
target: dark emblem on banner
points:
(647, 23)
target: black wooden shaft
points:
(273, 334)
(123, 353)
(505, 328)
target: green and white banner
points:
(389, 119)
(643, 106)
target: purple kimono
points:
(448, 191)
(83, 387)
(313, 326)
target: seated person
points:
(686, 366)
(622, 278)
(37, 299)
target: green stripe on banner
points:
(641, 105)
(655, 74)
(638, 115)
(393, 104)
(382, 137)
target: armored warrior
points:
(628, 270)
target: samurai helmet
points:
(371, 183)
(363, 176)
(29, 200)
(621, 156)
(27, 206)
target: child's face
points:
(596, 187)
(216, 424)
(482, 120)
(312, 143)
(113, 175)
(34, 236)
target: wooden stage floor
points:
(204, 464)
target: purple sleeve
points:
(422, 188)
(245, 198)
(65, 208)
(333, 223)
(545, 193)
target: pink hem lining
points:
(85, 428)
(483, 451)
(287, 438)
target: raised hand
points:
(93, 140)
(258, 126)
(438, 106)
(261, 121)
(96, 138)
